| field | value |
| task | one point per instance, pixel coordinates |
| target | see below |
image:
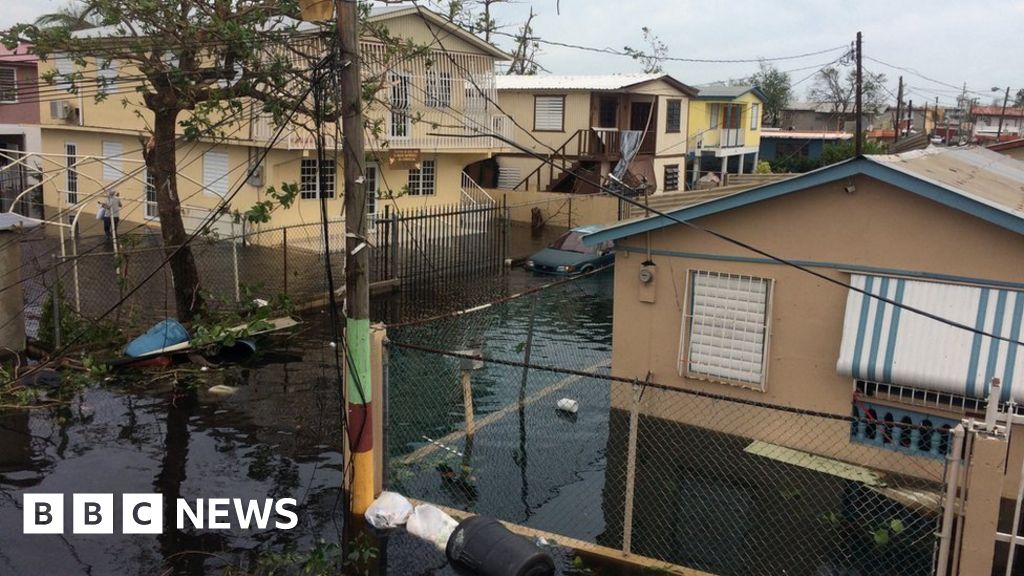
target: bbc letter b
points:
(43, 514)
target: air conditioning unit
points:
(256, 177)
(62, 110)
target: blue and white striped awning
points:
(884, 343)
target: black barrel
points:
(486, 547)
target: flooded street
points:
(278, 436)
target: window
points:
(152, 212)
(8, 85)
(421, 181)
(671, 181)
(713, 108)
(439, 89)
(549, 113)
(106, 76)
(508, 178)
(215, 172)
(309, 179)
(401, 121)
(112, 154)
(674, 116)
(370, 179)
(725, 332)
(71, 175)
(608, 112)
(731, 114)
(64, 72)
(755, 115)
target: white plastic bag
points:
(431, 524)
(389, 510)
(568, 405)
(101, 213)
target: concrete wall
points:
(879, 226)
(557, 209)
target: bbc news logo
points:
(144, 514)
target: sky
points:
(952, 42)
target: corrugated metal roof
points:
(971, 171)
(573, 82)
(884, 343)
(723, 91)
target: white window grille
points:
(725, 330)
(71, 175)
(549, 113)
(152, 212)
(422, 180)
(112, 161)
(309, 179)
(401, 120)
(8, 85)
(508, 178)
(215, 172)
(439, 89)
(755, 115)
(371, 183)
(106, 76)
(65, 69)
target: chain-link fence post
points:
(55, 297)
(234, 260)
(284, 248)
(634, 421)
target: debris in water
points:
(568, 405)
(222, 390)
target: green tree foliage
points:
(841, 151)
(777, 89)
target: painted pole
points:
(357, 301)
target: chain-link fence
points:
(512, 411)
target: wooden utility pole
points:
(357, 288)
(1001, 114)
(910, 117)
(858, 146)
(899, 112)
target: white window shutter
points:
(112, 160)
(215, 172)
(548, 112)
(727, 327)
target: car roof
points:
(587, 229)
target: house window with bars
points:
(422, 180)
(671, 180)
(152, 213)
(309, 179)
(439, 89)
(8, 85)
(71, 175)
(401, 120)
(726, 328)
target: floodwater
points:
(278, 436)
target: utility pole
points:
(899, 113)
(1001, 114)
(962, 109)
(858, 146)
(910, 116)
(357, 288)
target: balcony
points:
(731, 138)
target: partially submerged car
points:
(568, 255)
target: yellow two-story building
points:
(724, 130)
(91, 145)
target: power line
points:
(750, 247)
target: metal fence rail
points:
(704, 481)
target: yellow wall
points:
(881, 226)
(700, 121)
(519, 105)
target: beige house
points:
(937, 231)
(89, 147)
(586, 125)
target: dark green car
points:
(568, 255)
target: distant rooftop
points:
(996, 111)
(804, 134)
(725, 91)
(20, 54)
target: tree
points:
(200, 57)
(840, 151)
(524, 56)
(1018, 99)
(776, 87)
(838, 92)
(477, 16)
(653, 58)
(74, 16)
